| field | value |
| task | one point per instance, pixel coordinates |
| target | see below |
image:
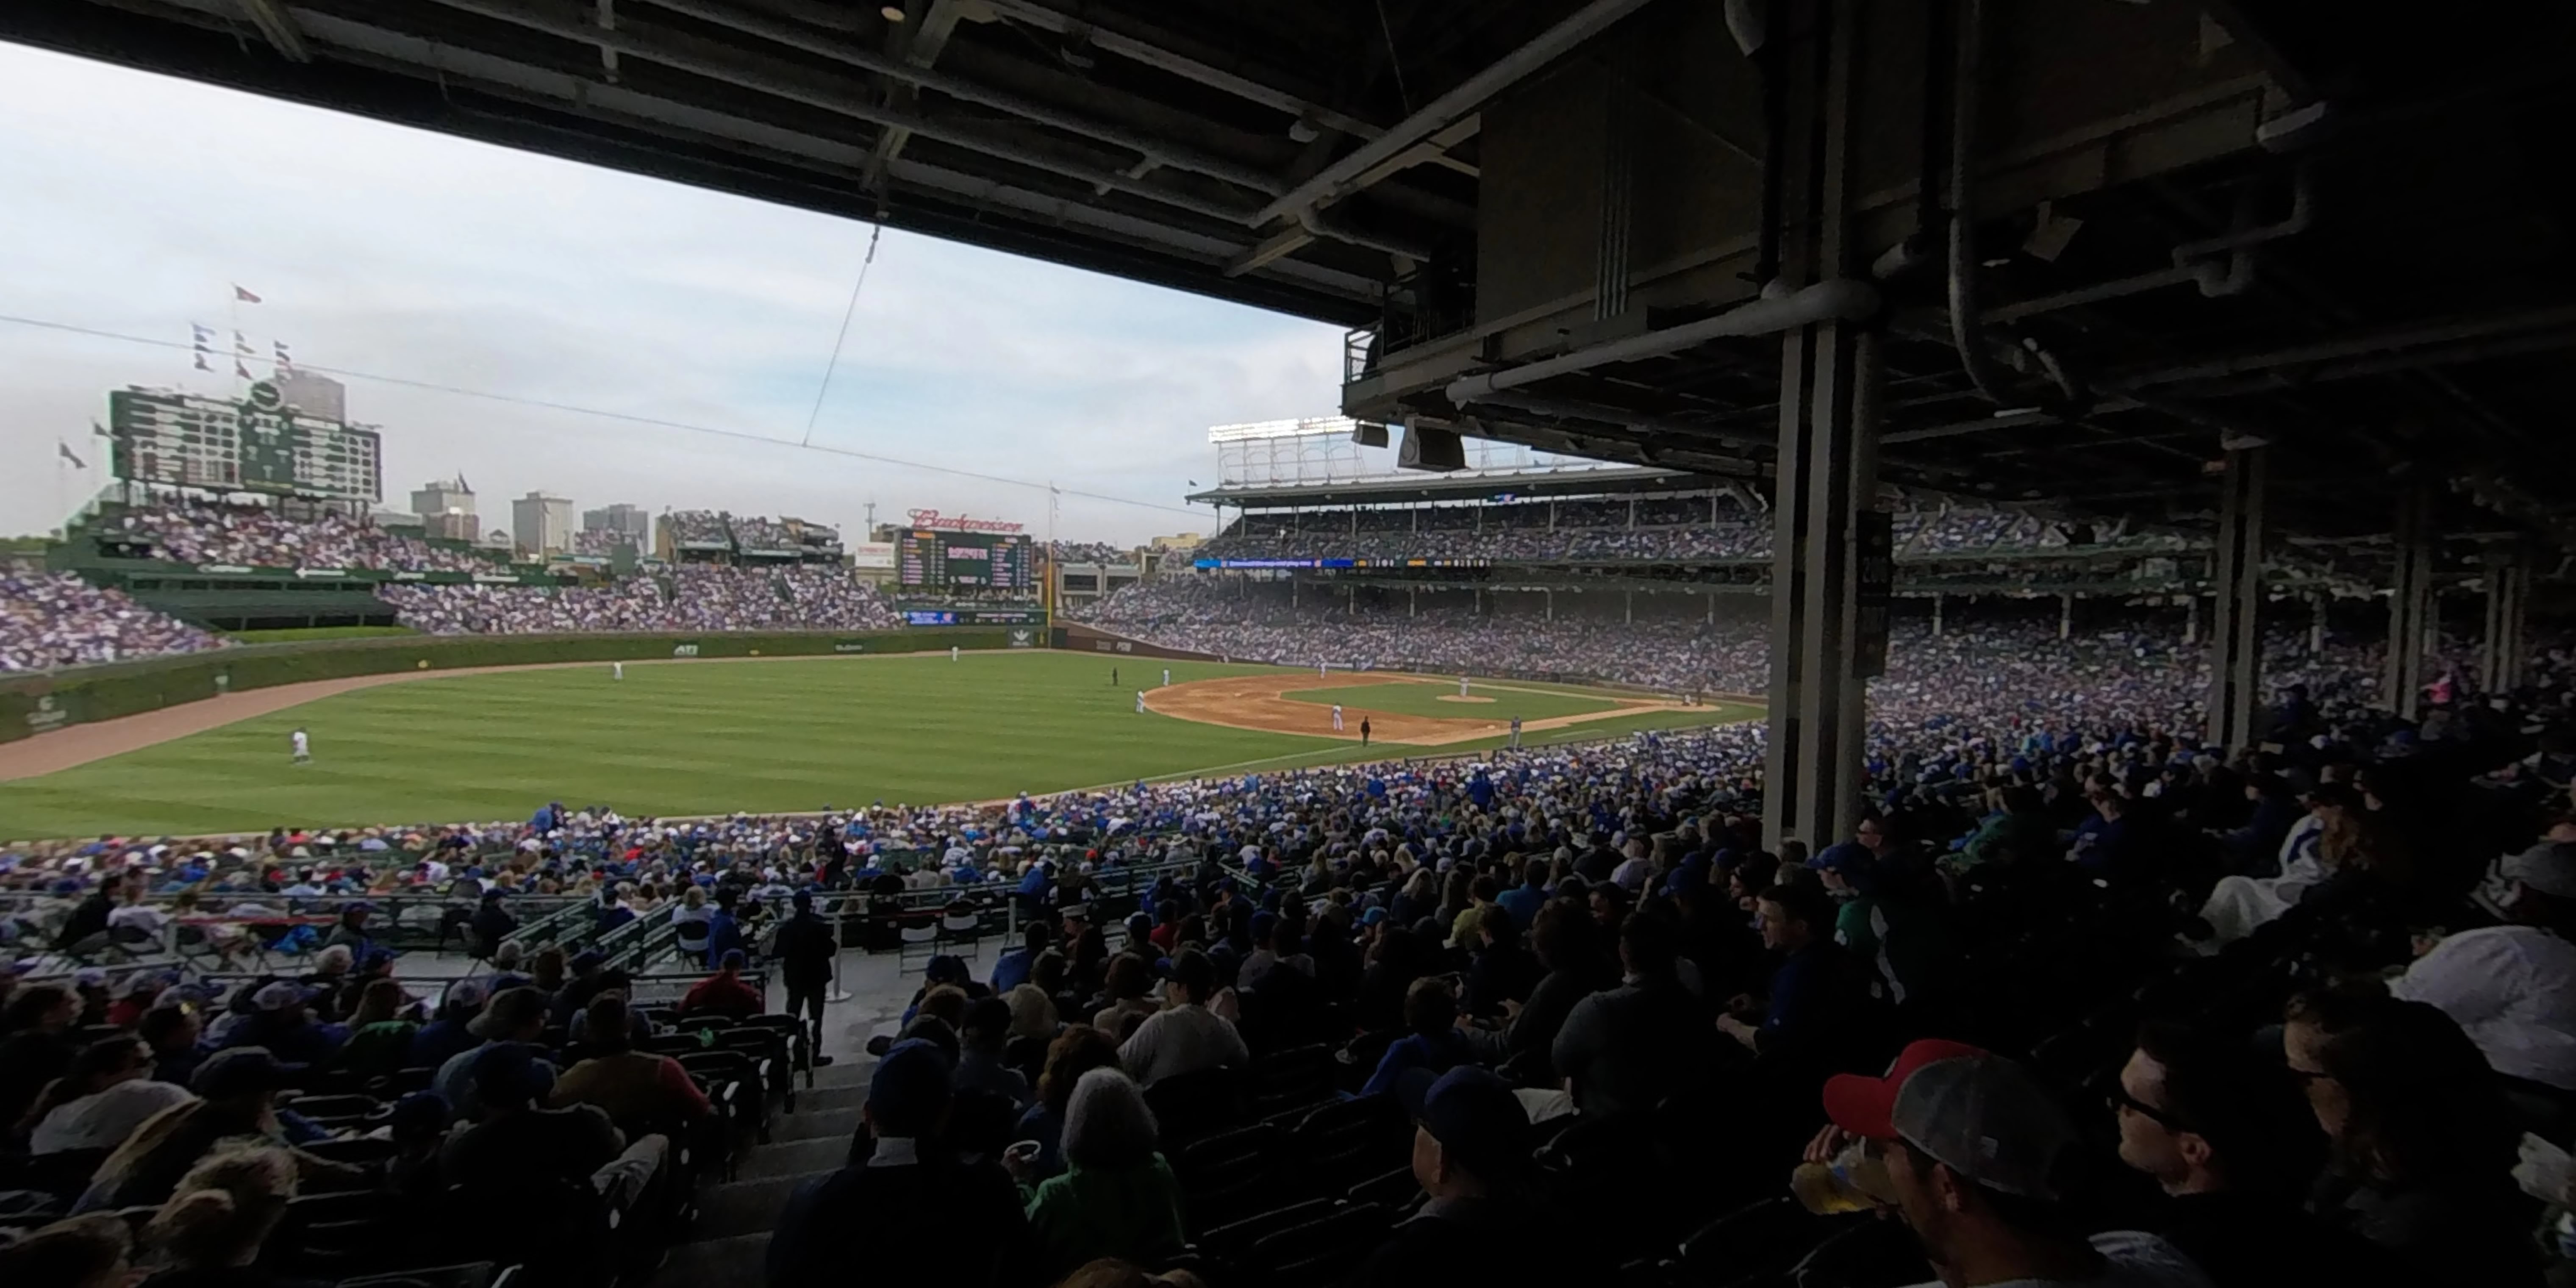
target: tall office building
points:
(314, 394)
(542, 524)
(632, 522)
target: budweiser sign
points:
(947, 523)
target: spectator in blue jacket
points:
(1431, 1042)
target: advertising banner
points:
(875, 556)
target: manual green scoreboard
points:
(257, 443)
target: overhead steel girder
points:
(843, 160)
(717, 63)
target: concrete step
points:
(809, 1123)
(823, 1099)
(848, 1071)
(732, 1262)
(794, 1158)
(747, 1206)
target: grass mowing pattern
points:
(671, 738)
(1410, 699)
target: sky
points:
(136, 202)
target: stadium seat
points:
(476, 1274)
(1346, 1142)
(1319, 1252)
(920, 936)
(1290, 1079)
(1191, 1105)
(1229, 1176)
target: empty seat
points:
(1228, 1176)
(1348, 1141)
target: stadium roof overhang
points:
(2223, 223)
(1465, 485)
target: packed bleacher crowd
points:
(683, 597)
(698, 527)
(1557, 1015)
(1660, 528)
(258, 537)
(1090, 552)
(55, 619)
(605, 541)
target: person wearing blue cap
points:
(1472, 1143)
(516, 1140)
(1848, 872)
(876, 1217)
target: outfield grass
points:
(709, 737)
(671, 738)
(1437, 700)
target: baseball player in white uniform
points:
(952, 652)
(1140, 702)
(617, 670)
(1462, 686)
(1337, 717)
(303, 747)
(1167, 677)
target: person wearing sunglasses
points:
(2420, 1142)
(2230, 1145)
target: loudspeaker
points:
(1425, 448)
(1368, 434)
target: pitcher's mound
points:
(1452, 697)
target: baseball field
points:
(713, 736)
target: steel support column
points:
(2236, 580)
(2066, 617)
(2508, 578)
(1936, 614)
(2410, 605)
(1829, 373)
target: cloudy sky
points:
(134, 202)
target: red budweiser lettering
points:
(943, 523)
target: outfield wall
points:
(1091, 639)
(36, 704)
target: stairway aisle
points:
(726, 1247)
(735, 1217)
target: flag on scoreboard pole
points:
(242, 296)
(64, 449)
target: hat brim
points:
(1862, 1105)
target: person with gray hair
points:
(1117, 1197)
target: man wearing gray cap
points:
(2512, 987)
(1975, 1149)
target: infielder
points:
(303, 748)
(1337, 717)
(1167, 677)
(1140, 702)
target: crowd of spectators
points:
(1989, 1013)
(1090, 552)
(1662, 528)
(55, 619)
(685, 597)
(754, 533)
(698, 527)
(259, 537)
(605, 541)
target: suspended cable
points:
(432, 386)
(844, 337)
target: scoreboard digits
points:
(933, 562)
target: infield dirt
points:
(1260, 702)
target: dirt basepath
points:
(82, 743)
(1259, 702)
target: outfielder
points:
(952, 652)
(303, 748)
(1337, 717)
(617, 670)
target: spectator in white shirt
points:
(1184, 1037)
(107, 1094)
(2512, 987)
(691, 921)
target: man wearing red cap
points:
(1973, 1148)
